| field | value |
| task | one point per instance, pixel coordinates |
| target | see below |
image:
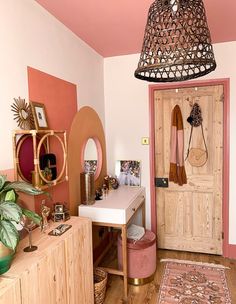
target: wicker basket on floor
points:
(100, 282)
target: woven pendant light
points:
(177, 43)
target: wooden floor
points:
(148, 294)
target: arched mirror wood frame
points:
(86, 124)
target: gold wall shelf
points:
(40, 138)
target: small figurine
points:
(114, 183)
(98, 194)
(45, 211)
(107, 182)
(104, 190)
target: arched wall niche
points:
(86, 124)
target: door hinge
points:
(223, 235)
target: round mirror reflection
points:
(90, 156)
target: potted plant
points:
(47, 173)
(11, 214)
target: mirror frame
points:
(86, 124)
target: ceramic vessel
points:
(6, 256)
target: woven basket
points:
(100, 282)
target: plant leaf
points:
(10, 196)
(2, 181)
(22, 187)
(10, 211)
(9, 236)
(33, 216)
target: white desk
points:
(117, 210)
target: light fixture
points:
(177, 43)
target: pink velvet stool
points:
(141, 258)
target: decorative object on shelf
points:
(105, 190)
(197, 157)
(107, 182)
(111, 182)
(177, 42)
(87, 189)
(22, 114)
(39, 114)
(60, 213)
(128, 172)
(59, 230)
(114, 182)
(48, 165)
(45, 211)
(177, 172)
(98, 194)
(38, 143)
(11, 214)
(28, 224)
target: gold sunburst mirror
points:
(23, 114)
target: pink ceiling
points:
(113, 27)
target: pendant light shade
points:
(177, 43)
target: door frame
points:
(226, 149)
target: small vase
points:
(6, 256)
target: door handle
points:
(162, 182)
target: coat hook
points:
(190, 102)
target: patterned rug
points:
(186, 282)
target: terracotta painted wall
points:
(127, 116)
(60, 100)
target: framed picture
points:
(128, 172)
(39, 114)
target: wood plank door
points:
(189, 217)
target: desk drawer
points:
(134, 206)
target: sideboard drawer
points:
(134, 206)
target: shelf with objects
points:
(34, 161)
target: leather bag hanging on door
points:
(197, 157)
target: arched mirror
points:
(86, 125)
(91, 157)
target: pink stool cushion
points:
(141, 256)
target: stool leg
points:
(125, 262)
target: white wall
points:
(30, 36)
(127, 115)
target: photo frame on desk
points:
(39, 114)
(128, 172)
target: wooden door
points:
(189, 217)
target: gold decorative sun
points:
(23, 114)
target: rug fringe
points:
(195, 263)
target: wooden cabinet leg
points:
(125, 260)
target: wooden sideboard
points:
(60, 271)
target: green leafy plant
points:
(11, 213)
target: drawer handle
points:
(133, 209)
(54, 278)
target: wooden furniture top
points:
(24, 260)
(117, 207)
(37, 131)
